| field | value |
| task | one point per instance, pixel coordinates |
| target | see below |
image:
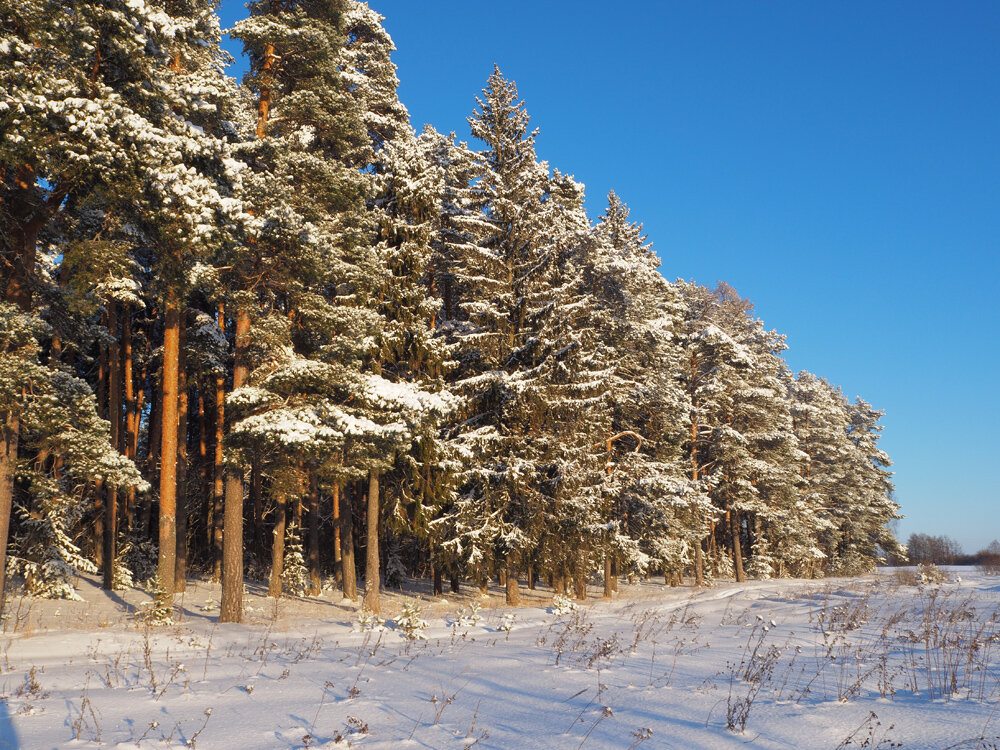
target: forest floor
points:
(830, 664)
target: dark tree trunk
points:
(609, 579)
(350, 573)
(734, 532)
(312, 520)
(232, 553)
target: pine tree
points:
(653, 501)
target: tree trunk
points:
(372, 601)
(153, 454)
(312, 520)
(168, 448)
(131, 410)
(180, 569)
(257, 512)
(278, 546)
(207, 491)
(699, 564)
(437, 579)
(513, 591)
(10, 430)
(559, 584)
(99, 490)
(350, 573)
(580, 588)
(455, 588)
(231, 609)
(338, 569)
(114, 418)
(219, 470)
(581, 576)
(734, 531)
(609, 580)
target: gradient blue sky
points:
(838, 163)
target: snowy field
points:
(841, 663)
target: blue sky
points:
(838, 163)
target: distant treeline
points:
(925, 549)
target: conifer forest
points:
(265, 330)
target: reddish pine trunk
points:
(338, 570)
(131, 410)
(215, 529)
(9, 435)
(114, 417)
(372, 582)
(168, 447)
(180, 569)
(264, 103)
(257, 511)
(278, 546)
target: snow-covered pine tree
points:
(819, 412)
(407, 205)
(90, 113)
(365, 62)
(521, 363)
(742, 436)
(653, 498)
(293, 289)
(489, 517)
(846, 477)
(866, 535)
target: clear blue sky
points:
(838, 163)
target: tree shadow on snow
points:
(8, 735)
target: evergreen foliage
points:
(275, 296)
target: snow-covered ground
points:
(839, 663)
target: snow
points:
(657, 666)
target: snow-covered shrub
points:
(48, 558)
(562, 605)
(294, 576)
(762, 565)
(470, 617)
(410, 623)
(931, 573)
(160, 610)
(370, 621)
(51, 579)
(141, 557)
(722, 566)
(507, 624)
(394, 569)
